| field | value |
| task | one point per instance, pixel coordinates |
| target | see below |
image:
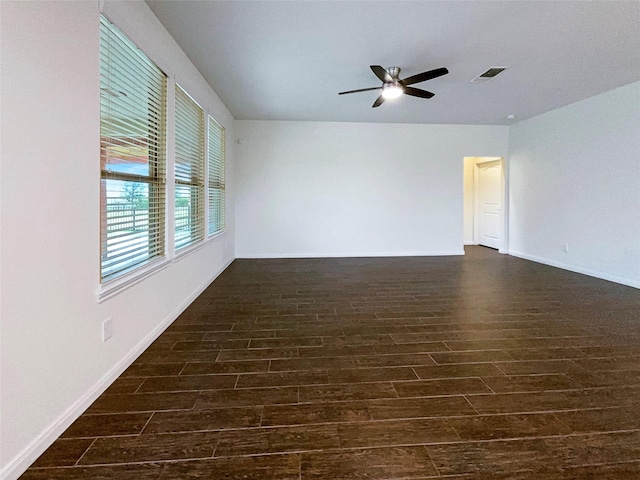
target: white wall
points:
(53, 363)
(575, 179)
(352, 189)
(469, 167)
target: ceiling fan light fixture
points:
(392, 91)
(392, 86)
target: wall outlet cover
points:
(107, 329)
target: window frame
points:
(189, 169)
(216, 178)
(118, 116)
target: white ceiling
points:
(272, 60)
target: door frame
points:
(478, 161)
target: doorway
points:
(484, 202)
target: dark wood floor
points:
(477, 367)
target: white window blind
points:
(132, 154)
(189, 171)
(215, 194)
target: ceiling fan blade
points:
(360, 90)
(416, 92)
(379, 101)
(381, 73)
(424, 76)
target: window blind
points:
(189, 170)
(132, 154)
(215, 172)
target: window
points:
(189, 171)
(216, 177)
(132, 155)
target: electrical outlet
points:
(107, 329)
(565, 247)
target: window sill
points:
(216, 235)
(117, 285)
(186, 251)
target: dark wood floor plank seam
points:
(86, 450)
(147, 423)
(274, 454)
(434, 443)
(549, 411)
(449, 416)
(488, 386)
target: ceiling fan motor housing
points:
(394, 72)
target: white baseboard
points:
(350, 255)
(19, 464)
(572, 268)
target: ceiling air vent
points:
(493, 72)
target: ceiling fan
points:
(393, 86)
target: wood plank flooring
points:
(477, 367)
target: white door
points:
(489, 204)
